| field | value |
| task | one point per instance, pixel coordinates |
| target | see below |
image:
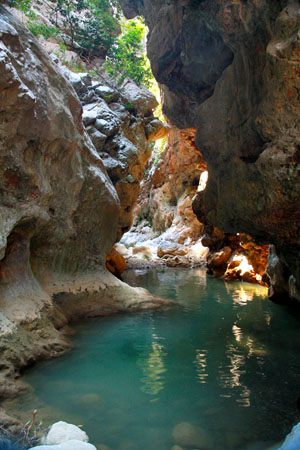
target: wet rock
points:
(128, 445)
(103, 447)
(277, 277)
(187, 435)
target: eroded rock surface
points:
(59, 210)
(231, 69)
(121, 125)
(165, 226)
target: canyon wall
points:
(59, 209)
(231, 69)
(169, 185)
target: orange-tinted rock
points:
(219, 258)
(115, 263)
(167, 192)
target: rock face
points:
(165, 225)
(170, 185)
(119, 124)
(59, 210)
(164, 216)
(231, 69)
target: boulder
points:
(63, 431)
(156, 129)
(139, 99)
(107, 93)
(187, 435)
(219, 259)
(171, 249)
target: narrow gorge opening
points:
(193, 211)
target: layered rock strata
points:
(59, 208)
(231, 69)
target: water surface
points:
(227, 361)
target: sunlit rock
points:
(157, 130)
(167, 248)
(139, 99)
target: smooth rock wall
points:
(59, 210)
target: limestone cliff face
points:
(231, 69)
(170, 185)
(121, 125)
(59, 210)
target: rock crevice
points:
(248, 121)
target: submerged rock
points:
(187, 435)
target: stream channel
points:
(227, 361)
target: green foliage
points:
(126, 58)
(41, 29)
(22, 5)
(92, 28)
(92, 24)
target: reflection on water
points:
(201, 364)
(152, 367)
(227, 361)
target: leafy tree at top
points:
(93, 24)
(92, 27)
(126, 58)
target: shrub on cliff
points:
(126, 57)
(94, 28)
(92, 24)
